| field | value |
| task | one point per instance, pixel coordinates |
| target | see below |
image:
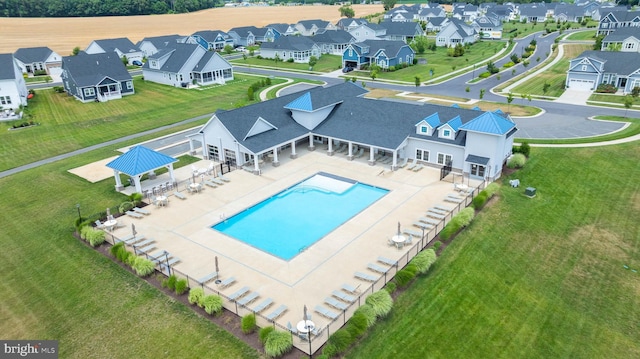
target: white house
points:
(34, 59)
(368, 32)
(13, 89)
(456, 32)
(121, 46)
(298, 48)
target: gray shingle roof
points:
(621, 63)
(320, 24)
(401, 28)
(332, 37)
(299, 43)
(180, 53)
(210, 35)
(122, 43)
(391, 48)
(89, 70)
(243, 31)
(7, 67)
(32, 54)
(625, 15)
(161, 41)
(279, 27)
(623, 33)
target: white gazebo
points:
(138, 161)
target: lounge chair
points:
(172, 261)
(217, 181)
(99, 224)
(157, 256)
(249, 298)
(417, 168)
(411, 232)
(291, 328)
(412, 164)
(453, 199)
(387, 261)
(365, 276)
(131, 239)
(430, 221)
(335, 303)
(343, 296)
(349, 288)
(360, 153)
(146, 248)
(435, 215)
(224, 179)
(179, 195)
(277, 312)
(227, 282)
(404, 163)
(239, 293)
(422, 225)
(140, 210)
(443, 208)
(437, 210)
(134, 214)
(377, 268)
(326, 312)
(210, 184)
(208, 277)
(144, 243)
(263, 305)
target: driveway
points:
(574, 97)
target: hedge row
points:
(141, 265)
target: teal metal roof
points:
(302, 103)
(476, 108)
(140, 160)
(433, 120)
(455, 123)
(455, 105)
(499, 112)
(489, 122)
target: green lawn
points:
(523, 30)
(441, 63)
(632, 130)
(533, 278)
(554, 76)
(617, 99)
(55, 287)
(582, 35)
(67, 124)
(326, 63)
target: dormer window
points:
(424, 129)
(446, 133)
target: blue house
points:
(96, 77)
(592, 68)
(211, 39)
(383, 53)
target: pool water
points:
(292, 220)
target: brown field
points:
(63, 34)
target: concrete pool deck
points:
(183, 228)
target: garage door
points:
(582, 85)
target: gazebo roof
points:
(139, 160)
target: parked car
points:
(136, 62)
(241, 49)
(347, 69)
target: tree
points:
(124, 60)
(628, 102)
(467, 89)
(75, 51)
(374, 74)
(388, 4)
(417, 80)
(513, 72)
(509, 101)
(482, 93)
(419, 44)
(598, 44)
(635, 92)
(614, 47)
(347, 11)
(514, 58)
(523, 96)
(313, 61)
(228, 49)
(250, 94)
(545, 88)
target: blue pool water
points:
(295, 218)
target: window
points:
(444, 158)
(5, 100)
(446, 133)
(477, 170)
(584, 68)
(129, 85)
(424, 129)
(154, 64)
(422, 155)
(629, 45)
(89, 91)
(214, 153)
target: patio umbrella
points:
(305, 312)
(108, 213)
(133, 229)
(398, 227)
(193, 178)
(217, 270)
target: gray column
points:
(372, 160)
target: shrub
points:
(437, 245)
(516, 161)
(508, 65)
(357, 325)
(606, 88)
(84, 231)
(136, 198)
(403, 277)
(170, 282)
(196, 295)
(484, 75)
(212, 304)
(491, 189)
(391, 287)
(368, 313)
(39, 72)
(58, 89)
(525, 149)
(341, 339)
(479, 200)
(125, 206)
(381, 302)
(449, 230)
(142, 266)
(329, 350)
(424, 260)
(259, 57)
(123, 254)
(278, 343)
(248, 324)
(263, 333)
(116, 248)
(95, 237)
(181, 286)
(465, 216)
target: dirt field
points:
(63, 34)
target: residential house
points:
(456, 32)
(282, 29)
(533, 12)
(211, 39)
(298, 48)
(501, 12)
(34, 59)
(403, 31)
(153, 44)
(465, 12)
(249, 35)
(428, 13)
(626, 39)
(436, 24)
(312, 27)
(368, 32)
(568, 13)
(348, 23)
(488, 27)
(96, 77)
(603, 10)
(13, 89)
(592, 68)
(333, 42)
(383, 53)
(179, 65)
(402, 13)
(471, 142)
(618, 19)
(121, 46)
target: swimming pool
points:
(290, 221)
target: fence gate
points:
(445, 170)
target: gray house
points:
(456, 32)
(592, 68)
(403, 31)
(312, 27)
(488, 27)
(121, 46)
(474, 142)
(333, 42)
(96, 77)
(210, 39)
(618, 19)
(153, 44)
(33, 59)
(626, 39)
(249, 35)
(298, 48)
(13, 89)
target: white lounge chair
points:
(365, 276)
(422, 225)
(404, 163)
(418, 168)
(140, 210)
(227, 282)
(430, 221)
(224, 179)
(179, 195)
(411, 232)
(277, 312)
(249, 298)
(377, 268)
(443, 208)
(349, 288)
(412, 164)
(335, 303)
(387, 261)
(208, 277)
(435, 215)
(326, 312)
(217, 181)
(210, 184)
(343, 296)
(134, 214)
(239, 293)
(263, 305)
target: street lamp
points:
(79, 216)
(166, 258)
(473, 75)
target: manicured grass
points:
(67, 124)
(616, 99)
(55, 287)
(554, 76)
(37, 79)
(272, 93)
(326, 63)
(533, 278)
(582, 35)
(631, 130)
(441, 63)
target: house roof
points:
(139, 160)
(333, 37)
(488, 21)
(299, 43)
(315, 100)
(91, 69)
(308, 24)
(477, 160)
(536, 10)
(210, 35)
(462, 26)
(244, 31)
(122, 43)
(402, 28)
(391, 48)
(624, 15)
(206, 58)
(161, 41)
(7, 67)
(622, 34)
(180, 53)
(346, 21)
(437, 21)
(489, 122)
(32, 54)
(621, 63)
(279, 27)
